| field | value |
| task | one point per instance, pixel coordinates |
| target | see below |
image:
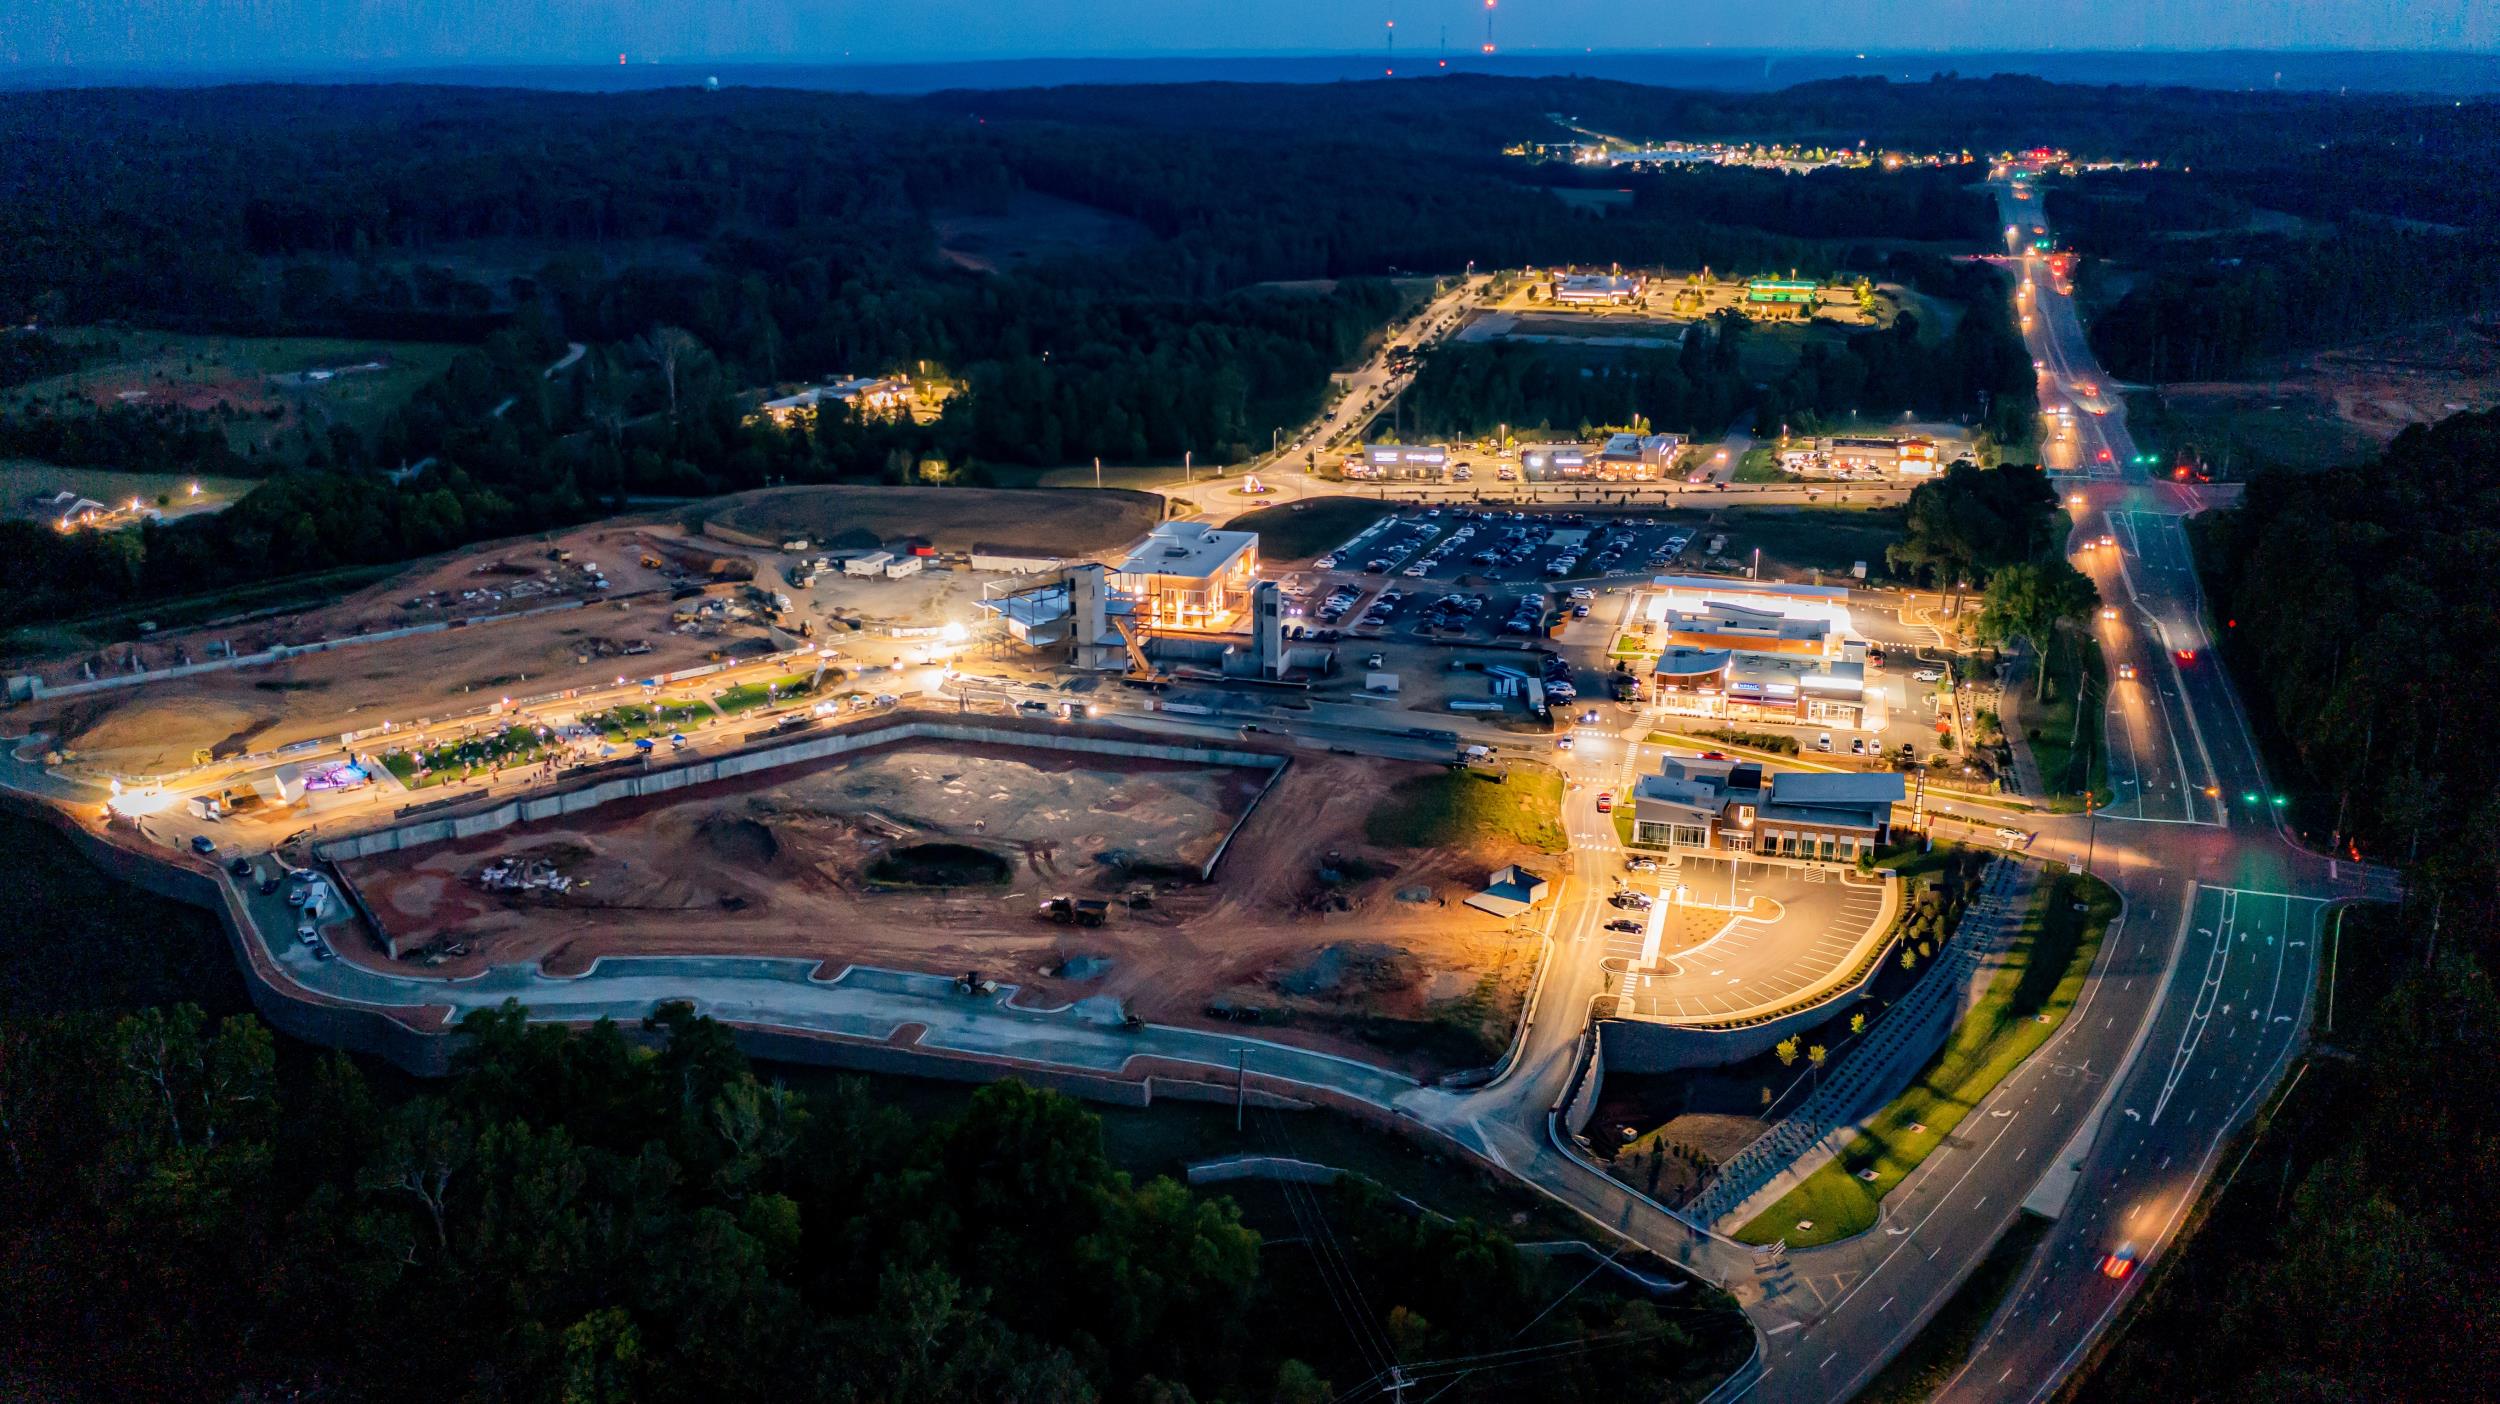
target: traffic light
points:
(2249, 798)
(2281, 800)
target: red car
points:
(2187, 655)
(2117, 1266)
(1605, 802)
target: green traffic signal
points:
(2281, 800)
(2250, 797)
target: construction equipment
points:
(1140, 667)
(1077, 911)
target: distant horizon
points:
(2391, 70)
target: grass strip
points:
(2065, 731)
(2023, 1005)
(1470, 806)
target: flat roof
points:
(1191, 549)
(1819, 787)
(1598, 282)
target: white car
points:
(1562, 743)
(1928, 675)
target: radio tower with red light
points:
(1488, 25)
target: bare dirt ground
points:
(2378, 387)
(952, 519)
(1382, 963)
(624, 630)
(1672, 1161)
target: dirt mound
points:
(148, 733)
(1351, 968)
(737, 839)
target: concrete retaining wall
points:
(1642, 1046)
(286, 1008)
(662, 781)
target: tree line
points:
(599, 1218)
(2201, 313)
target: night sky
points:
(277, 33)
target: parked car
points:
(203, 844)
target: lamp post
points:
(2091, 828)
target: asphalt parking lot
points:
(1823, 921)
(1508, 547)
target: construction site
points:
(1187, 891)
(910, 745)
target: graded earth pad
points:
(520, 622)
(1070, 524)
(1300, 930)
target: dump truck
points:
(1077, 911)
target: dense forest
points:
(592, 1219)
(704, 244)
(2200, 314)
(2345, 1263)
(2262, 253)
(1231, 245)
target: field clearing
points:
(951, 519)
(1295, 532)
(1770, 350)
(263, 380)
(1334, 942)
(1473, 806)
(1807, 539)
(2340, 406)
(2234, 434)
(1031, 227)
(22, 478)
